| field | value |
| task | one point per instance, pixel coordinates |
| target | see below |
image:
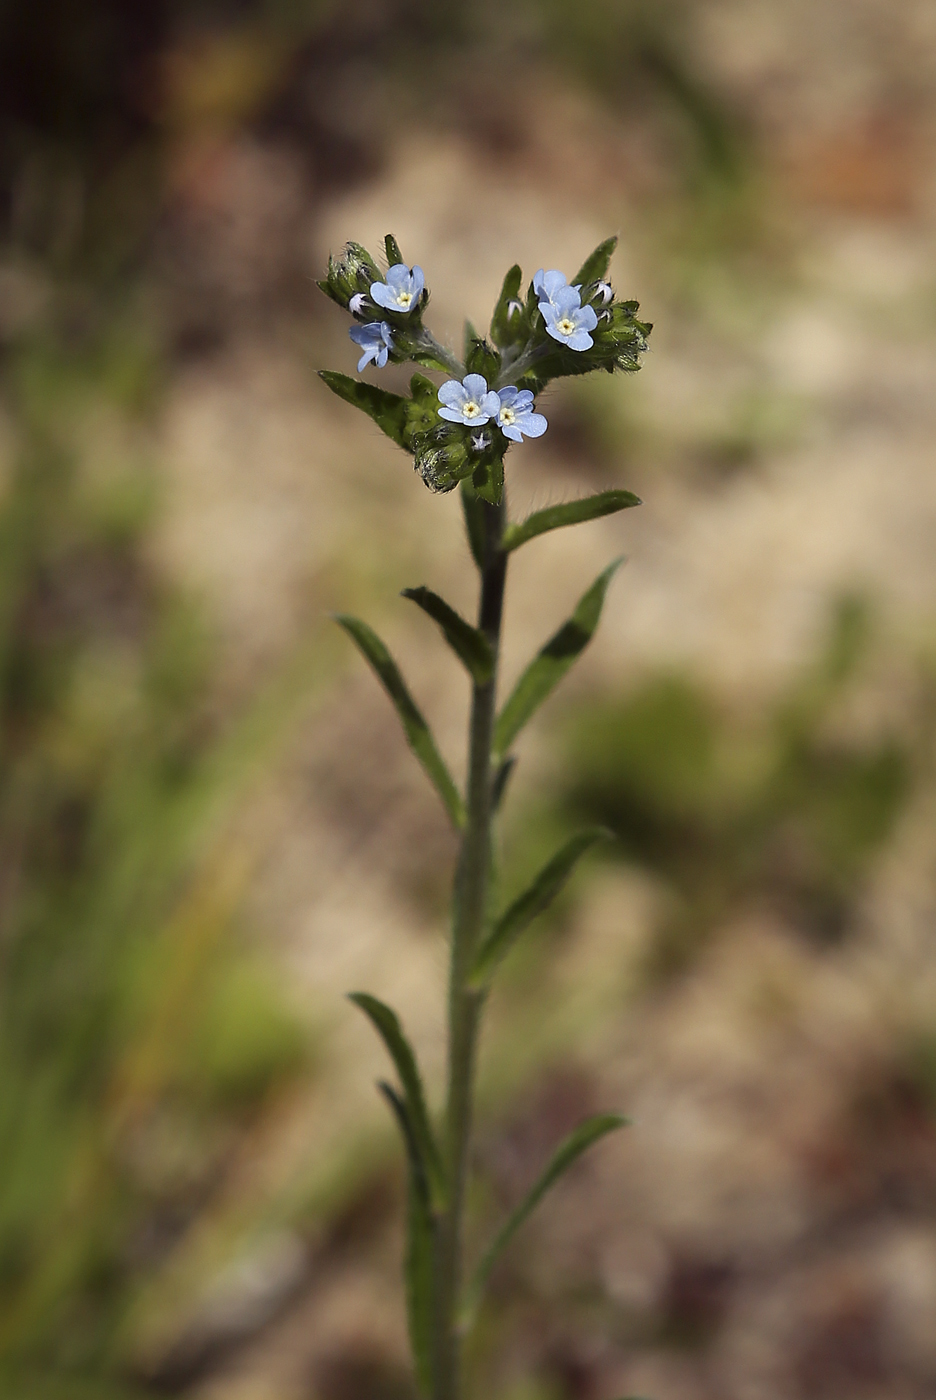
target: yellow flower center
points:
(471, 409)
(565, 326)
(507, 416)
(404, 299)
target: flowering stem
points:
(465, 1004)
(431, 346)
(513, 369)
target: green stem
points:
(470, 909)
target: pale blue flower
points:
(375, 340)
(469, 402)
(546, 285)
(356, 302)
(567, 320)
(515, 416)
(402, 289)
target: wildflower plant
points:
(458, 434)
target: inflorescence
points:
(464, 428)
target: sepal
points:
(482, 358)
(510, 324)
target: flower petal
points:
(452, 415)
(383, 296)
(581, 340)
(398, 277)
(523, 400)
(418, 282)
(566, 299)
(587, 318)
(475, 386)
(490, 404)
(512, 431)
(452, 393)
(508, 395)
(533, 424)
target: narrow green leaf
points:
(417, 730)
(387, 410)
(473, 512)
(569, 513)
(501, 779)
(506, 328)
(387, 1024)
(537, 897)
(392, 250)
(549, 666)
(593, 269)
(420, 1228)
(568, 1151)
(470, 646)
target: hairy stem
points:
(470, 908)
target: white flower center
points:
(471, 409)
(565, 326)
(404, 299)
(507, 415)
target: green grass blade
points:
(550, 664)
(571, 513)
(470, 646)
(535, 898)
(594, 268)
(387, 410)
(420, 1228)
(417, 730)
(387, 1025)
(578, 1141)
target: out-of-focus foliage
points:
(139, 1035)
(785, 810)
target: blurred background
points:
(210, 827)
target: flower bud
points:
(349, 275)
(442, 456)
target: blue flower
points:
(567, 320)
(546, 285)
(469, 402)
(515, 415)
(402, 289)
(375, 340)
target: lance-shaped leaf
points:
(570, 513)
(549, 665)
(387, 410)
(537, 897)
(594, 268)
(420, 1228)
(471, 646)
(387, 1025)
(571, 1148)
(392, 250)
(417, 730)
